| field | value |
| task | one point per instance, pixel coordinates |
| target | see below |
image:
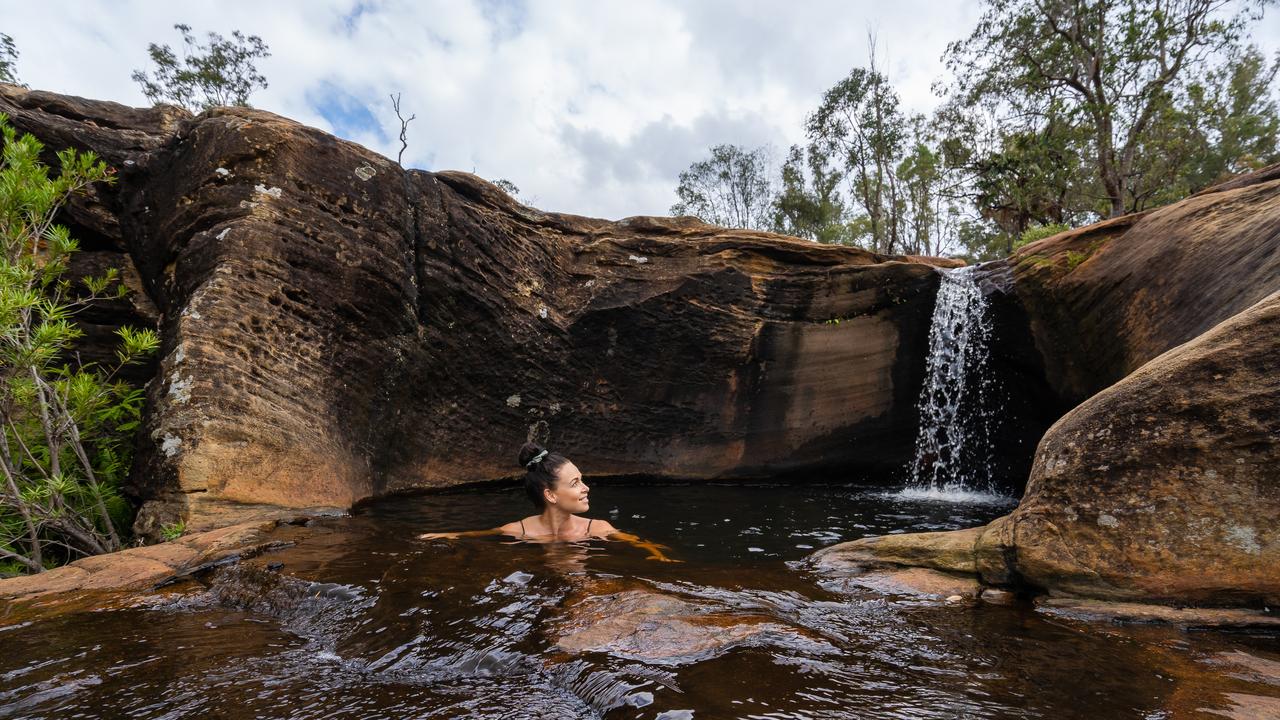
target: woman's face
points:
(569, 493)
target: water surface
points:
(360, 620)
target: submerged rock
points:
(636, 622)
(336, 327)
(944, 551)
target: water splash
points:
(953, 495)
(954, 458)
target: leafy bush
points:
(64, 427)
(1039, 232)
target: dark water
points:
(359, 620)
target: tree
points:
(507, 187)
(219, 73)
(404, 128)
(931, 195)
(731, 189)
(808, 204)
(1113, 68)
(1241, 119)
(65, 427)
(8, 60)
(859, 127)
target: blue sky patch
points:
(351, 20)
(347, 114)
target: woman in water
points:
(556, 489)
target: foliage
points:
(8, 60)
(809, 204)
(64, 426)
(1229, 123)
(507, 187)
(1057, 113)
(219, 73)
(1115, 69)
(1039, 232)
(860, 131)
(174, 531)
(731, 188)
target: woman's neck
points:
(557, 521)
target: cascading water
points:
(953, 457)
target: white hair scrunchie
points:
(536, 459)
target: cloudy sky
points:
(590, 107)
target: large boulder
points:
(1163, 487)
(1106, 298)
(335, 327)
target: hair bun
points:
(528, 453)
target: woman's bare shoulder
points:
(513, 528)
(601, 528)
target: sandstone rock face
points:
(1106, 298)
(1162, 488)
(1165, 485)
(335, 327)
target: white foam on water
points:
(950, 494)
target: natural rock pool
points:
(360, 620)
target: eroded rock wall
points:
(1106, 298)
(336, 327)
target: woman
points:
(556, 489)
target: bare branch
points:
(404, 128)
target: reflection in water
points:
(362, 621)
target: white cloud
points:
(590, 107)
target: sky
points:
(589, 107)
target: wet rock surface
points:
(102, 580)
(631, 620)
(951, 551)
(335, 327)
(1163, 486)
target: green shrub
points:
(64, 427)
(1039, 232)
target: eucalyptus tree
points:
(860, 129)
(1119, 70)
(732, 188)
(809, 203)
(8, 59)
(221, 72)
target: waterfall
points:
(953, 458)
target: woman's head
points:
(549, 478)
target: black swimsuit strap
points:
(589, 526)
(522, 527)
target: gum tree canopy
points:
(1119, 69)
